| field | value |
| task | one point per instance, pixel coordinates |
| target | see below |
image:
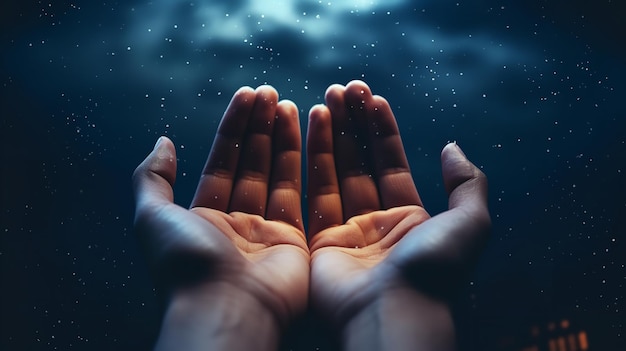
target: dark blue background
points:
(532, 90)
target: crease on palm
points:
(251, 233)
(370, 237)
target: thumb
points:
(465, 183)
(154, 177)
(441, 251)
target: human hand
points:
(239, 254)
(381, 267)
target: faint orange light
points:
(582, 340)
(571, 342)
(564, 324)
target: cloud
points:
(237, 20)
(327, 31)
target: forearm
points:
(402, 319)
(217, 318)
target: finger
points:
(216, 181)
(468, 215)
(358, 190)
(324, 201)
(393, 175)
(251, 181)
(154, 177)
(286, 178)
(465, 183)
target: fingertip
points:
(162, 141)
(452, 154)
(243, 94)
(317, 111)
(287, 127)
(319, 132)
(244, 89)
(165, 144)
(319, 120)
(452, 148)
(466, 185)
(356, 83)
(334, 91)
(449, 150)
(155, 176)
(156, 145)
(379, 100)
(458, 169)
(287, 106)
(358, 88)
(265, 87)
(379, 106)
(267, 91)
(164, 160)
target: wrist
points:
(401, 319)
(217, 316)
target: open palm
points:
(244, 228)
(368, 230)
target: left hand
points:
(244, 228)
(369, 234)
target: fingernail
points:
(158, 142)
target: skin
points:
(236, 267)
(382, 269)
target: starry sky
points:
(533, 91)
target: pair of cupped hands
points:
(243, 242)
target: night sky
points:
(533, 91)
